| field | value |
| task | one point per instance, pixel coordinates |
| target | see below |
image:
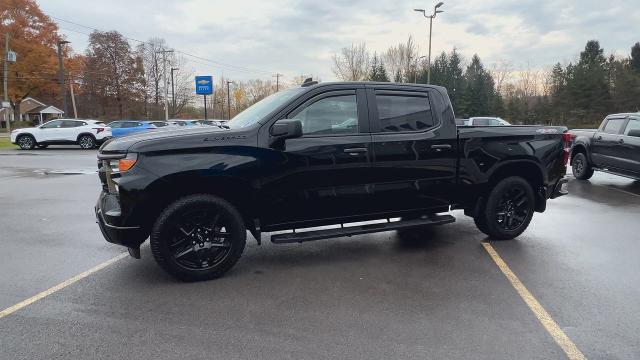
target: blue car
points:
(126, 127)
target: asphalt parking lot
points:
(433, 294)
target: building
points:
(32, 110)
(38, 112)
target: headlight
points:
(123, 165)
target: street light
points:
(61, 76)
(229, 100)
(430, 17)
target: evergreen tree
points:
(635, 57)
(479, 89)
(378, 71)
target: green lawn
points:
(6, 143)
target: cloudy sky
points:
(254, 39)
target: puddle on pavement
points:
(65, 172)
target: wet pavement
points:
(433, 294)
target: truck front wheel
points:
(198, 237)
(508, 209)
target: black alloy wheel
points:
(198, 237)
(513, 209)
(508, 209)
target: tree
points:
(151, 57)
(478, 94)
(378, 72)
(352, 63)
(113, 73)
(402, 59)
(635, 57)
(34, 38)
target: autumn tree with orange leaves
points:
(34, 37)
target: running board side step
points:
(298, 237)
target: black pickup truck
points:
(614, 147)
(319, 155)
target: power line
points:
(219, 63)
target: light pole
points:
(173, 93)
(229, 100)
(61, 77)
(430, 17)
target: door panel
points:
(51, 131)
(324, 174)
(604, 145)
(629, 150)
(411, 169)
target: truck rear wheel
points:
(580, 167)
(508, 209)
(198, 237)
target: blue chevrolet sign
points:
(204, 85)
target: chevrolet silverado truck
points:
(614, 147)
(322, 155)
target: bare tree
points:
(501, 72)
(352, 63)
(402, 60)
(153, 74)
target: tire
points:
(87, 142)
(508, 209)
(184, 242)
(580, 167)
(40, 146)
(26, 142)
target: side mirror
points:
(634, 132)
(286, 129)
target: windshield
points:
(262, 108)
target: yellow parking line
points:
(569, 348)
(60, 286)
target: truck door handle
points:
(599, 137)
(621, 141)
(441, 146)
(355, 151)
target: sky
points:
(257, 39)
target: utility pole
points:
(63, 92)
(173, 93)
(73, 98)
(229, 100)
(166, 82)
(7, 116)
(277, 76)
(430, 17)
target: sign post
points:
(204, 86)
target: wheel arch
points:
(529, 170)
(83, 134)
(580, 148)
(168, 189)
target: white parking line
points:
(569, 348)
(62, 285)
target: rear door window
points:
(613, 126)
(404, 113)
(632, 125)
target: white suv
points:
(86, 133)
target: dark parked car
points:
(322, 154)
(614, 147)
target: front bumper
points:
(560, 188)
(109, 219)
